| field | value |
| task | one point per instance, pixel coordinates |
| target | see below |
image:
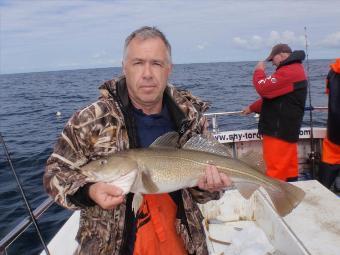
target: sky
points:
(47, 35)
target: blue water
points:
(30, 126)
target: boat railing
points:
(23, 225)
(214, 115)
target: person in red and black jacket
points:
(330, 163)
(281, 107)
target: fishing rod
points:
(23, 195)
(313, 155)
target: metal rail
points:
(316, 108)
(214, 118)
(214, 115)
(222, 113)
(23, 225)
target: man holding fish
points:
(132, 112)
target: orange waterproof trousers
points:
(330, 152)
(280, 158)
(156, 231)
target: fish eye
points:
(103, 162)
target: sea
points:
(30, 125)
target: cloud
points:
(202, 46)
(257, 42)
(253, 43)
(101, 55)
(331, 40)
(103, 58)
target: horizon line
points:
(87, 68)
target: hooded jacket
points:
(104, 128)
(283, 97)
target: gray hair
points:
(147, 33)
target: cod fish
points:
(163, 168)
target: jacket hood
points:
(297, 56)
(336, 66)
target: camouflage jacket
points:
(104, 128)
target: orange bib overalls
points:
(156, 231)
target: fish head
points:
(109, 169)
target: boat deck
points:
(237, 226)
(312, 228)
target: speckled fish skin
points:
(172, 169)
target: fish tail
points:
(285, 196)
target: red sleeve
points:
(279, 83)
(256, 106)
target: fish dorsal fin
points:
(206, 144)
(169, 139)
(254, 160)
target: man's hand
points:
(246, 111)
(213, 180)
(107, 196)
(260, 65)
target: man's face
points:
(147, 67)
(277, 59)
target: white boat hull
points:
(312, 228)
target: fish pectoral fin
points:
(246, 189)
(148, 183)
(137, 202)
